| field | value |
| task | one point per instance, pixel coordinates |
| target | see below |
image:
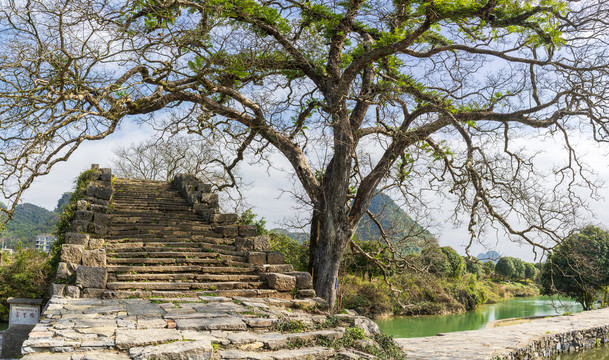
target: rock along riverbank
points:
(532, 340)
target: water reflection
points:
(473, 320)
(602, 353)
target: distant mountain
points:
(489, 256)
(28, 221)
(395, 222)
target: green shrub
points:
(27, 273)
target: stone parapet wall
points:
(549, 345)
(82, 269)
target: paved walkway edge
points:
(537, 339)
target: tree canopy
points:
(359, 96)
(579, 267)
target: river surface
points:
(407, 326)
(602, 353)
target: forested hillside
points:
(29, 220)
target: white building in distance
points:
(44, 242)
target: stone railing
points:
(550, 345)
(82, 269)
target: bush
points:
(27, 273)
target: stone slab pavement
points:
(199, 328)
(502, 342)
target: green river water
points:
(473, 320)
(406, 327)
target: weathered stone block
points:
(94, 258)
(91, 277)
(243, 244)
(57, 289)
(71, 253)
(304, 280)
(281, 282)
(95, 243)
(193, 197)
(77, 239)
(92, 293)
(12, 339)
(248, 230)
(91, 189)
(256, 258)
(306, 293)
(98, 229)
(82, 205)
(80, 226)
(64, 270)
(83, 215)
(103, 192)
(210, 199)
(370, 327)
(99, 208)
(72, 291)
(204, 188)
(106, 174)
(100, 219)
(275, 258)
(226, 231)
(128, 338)
(226, 219)
(262, 243)
(198, 349)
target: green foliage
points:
(505, 267)
(249, 218)
(387, 348)
(530, 271)
(289, 326)
(295, 253)
(27, 274)
(369, 298)
(474, 267)
(578, 267)
(456, 263)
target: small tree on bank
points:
(356, 96)
(579, 267)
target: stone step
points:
(173, 261)
(155, 217)
(188, 276)
(130, 247)
(143, 269)
(171, 286)
(130, 243)
(144, 294)
(304, 353)
(175, 255)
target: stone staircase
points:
(157, 246)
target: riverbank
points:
(427, 294)
(534, 339)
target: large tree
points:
(578, 267)
(357, 95)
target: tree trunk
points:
(313, 240)
(332, 241)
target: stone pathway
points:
(530, 340)
(190, 328)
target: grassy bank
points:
(426, 294)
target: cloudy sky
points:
(268, 200)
